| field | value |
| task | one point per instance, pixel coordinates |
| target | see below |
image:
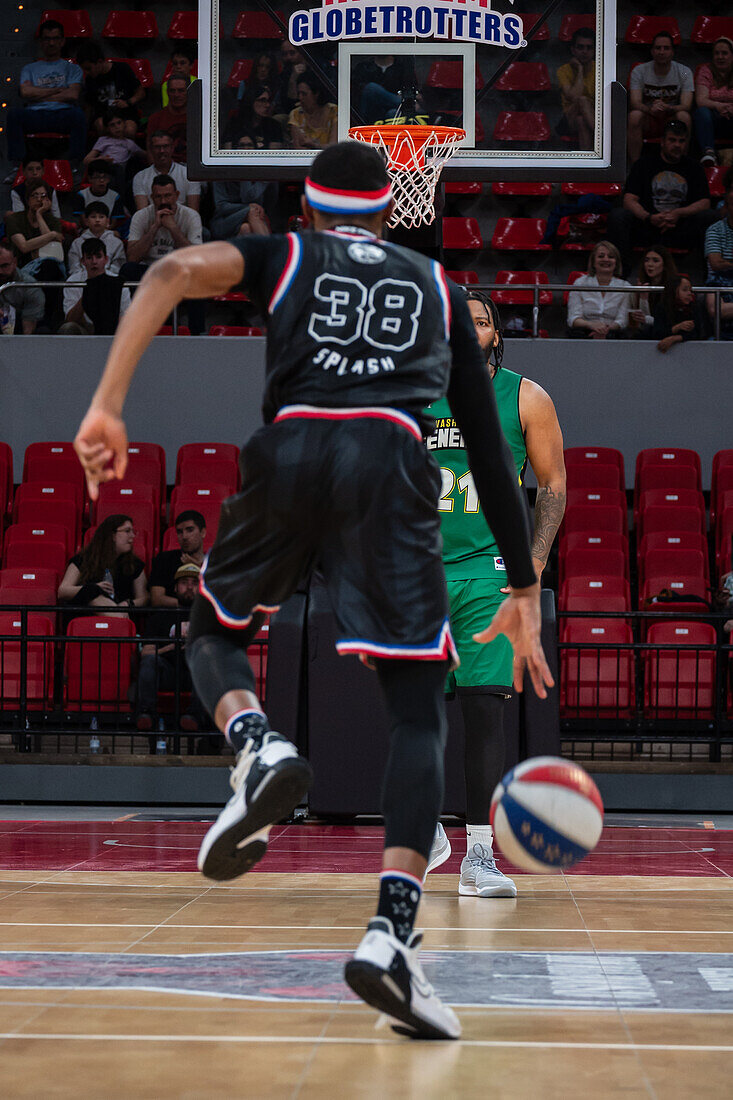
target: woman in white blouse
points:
(593, 312)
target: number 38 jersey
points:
(353, 321)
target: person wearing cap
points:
(666, 199)
(158, 658)
(190, 527)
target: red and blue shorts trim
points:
(362, 412)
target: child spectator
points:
(99, 175)
(714, 100)
(106, 574)
(183, 63)
(680, 316)
(659, 90)
(115, 148)
(719, 256)
(172, 119)
(96, 221)
(577, 80)
(656, 268)
(591, 312)
(97, 307)
(32, 172)
(109, 84)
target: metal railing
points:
(509, 288)
(62, 283)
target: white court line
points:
(164, 925)
(378, 851)
(316, 1040)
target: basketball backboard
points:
(510, 79)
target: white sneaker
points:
(440, 850)
(268, 784)
(386, 973)
(480, 877)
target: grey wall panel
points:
(624, 395)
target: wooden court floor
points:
(124, 974)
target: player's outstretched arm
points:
(197, 272)
(519, 619)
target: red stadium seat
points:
(464, 188)
(593, 477)
(680, 683)
(448, 75)
(463, 278)
(38, 661)
(667, 477)
(691, 592)
(718, 495)
(130, 501)
(521, 297)
(53, 503)
(591, 189)
(589, 518)
(600, 456)
(608, 500)
(257, 24)
(660, 562)
(523, 189)
(581, 232)
(605, 540)
(49, 532)
(663, 540)
(97, 673)
(668, 456)
(205, 452)
(240, 71)
(41, 470)
(716, 177)
(235, 330)
(167, 330)
(722, 460)
(206, 500)
(671, 498)
(35, 553)
(231, 296)
(708, 28)
(460, 233)
(6, 478)
(528, 21)
(599, 594)
(571, 279)
(593, 563)
(130, 24)
(143, 471)
(670, 518)
(184, 24)
(34, 587)
(519, 235)
(48, 453)
(141, 68)
(76, 24)
(210, 471)
(57, 174)
(524, 76)
(572, 23)
(524, 126)
(642, 29)
(597, 682)
(145, 452)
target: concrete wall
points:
(624, 395)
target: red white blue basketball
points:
(547, 814)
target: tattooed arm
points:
(545, 453)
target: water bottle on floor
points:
(161, 746)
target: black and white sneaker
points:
(268, 784)
(386, 973)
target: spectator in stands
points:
(714, 100)
(656, 268)
(183, 60)
(666, 198)
(577, 80)
(254, 117)
(109, 84)
(659, 90)
(379, 82)
(190, 531)
(158, 661)
(313, 123)
(99, 175)
(719, 256)
(95, 308)
(32, 172)
(241, 207)
(592, 312)
(161, 152)
(37, 241)
(679, 317)
(286, 89)
(172, 119)
(50, 88)
(119, 151)
(161, 228)
(96, 221)
(21, 307)
(263, 72)
(106, 573)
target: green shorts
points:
(473, 604)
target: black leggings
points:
(217, 654)
(483, 720)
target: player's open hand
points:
(101, 444)
(520, 620)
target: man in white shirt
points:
(161, 150)
(158, 229)
(659, 90)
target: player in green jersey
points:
(477, 584)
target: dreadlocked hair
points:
(492, 313)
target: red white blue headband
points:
(332, 200)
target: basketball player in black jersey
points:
(362, 336)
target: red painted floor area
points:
(172, 846)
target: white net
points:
(415, 157)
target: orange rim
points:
(390, 133)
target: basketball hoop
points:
(415, 157)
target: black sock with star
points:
(399, 897)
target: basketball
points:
(547, 814)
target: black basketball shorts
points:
(354, 493)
